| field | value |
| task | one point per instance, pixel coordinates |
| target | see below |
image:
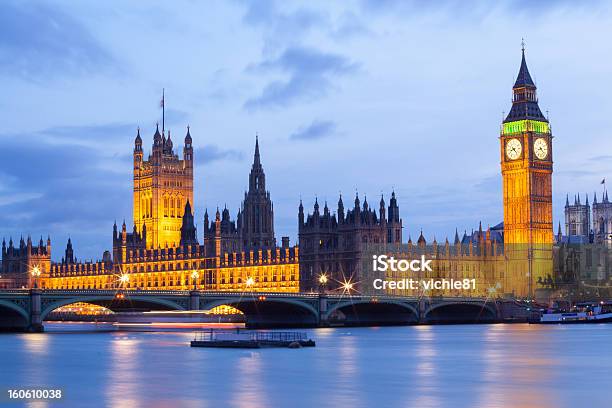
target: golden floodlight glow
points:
(347, 286)
(35, 271)
(323, 279)
(195, 275)
(250, 282)
(125, 278)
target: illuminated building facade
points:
(163, 184)
(240, 256)
(478, 256)
(162, 251)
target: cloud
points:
(318, 129)
(46, 188)
(281, 25)
(38, 41)
(310, 77)
(211, 153)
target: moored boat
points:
(581, 313)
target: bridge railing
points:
(247, 294)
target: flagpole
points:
(163, 110)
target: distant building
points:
(578, 218)
(602, 220)
(579, 229)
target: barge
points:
(250, 339)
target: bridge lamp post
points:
(347, 287)
(195, 276)
(35, 274)
(322, 282)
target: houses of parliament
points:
(163, 250)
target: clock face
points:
(513, 149)
(540, 148)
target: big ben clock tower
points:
(526, 165)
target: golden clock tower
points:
(526, 165)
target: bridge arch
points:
(116, 305)
(382, 311)
(13, 316)
(270, 312)
(461, 312)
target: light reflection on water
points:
(423, 366)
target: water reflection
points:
(518, 368)
(248, 391)
(424, 366)
(426, 384)
(122, 388)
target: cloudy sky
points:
(364, 96)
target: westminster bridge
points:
(27, 309)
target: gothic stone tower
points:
(256, 218)
(578, 218)
(526, 166)
(163, 185)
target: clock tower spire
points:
(526, 166)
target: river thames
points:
(502, 365)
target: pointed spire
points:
(587, 199)
(595, 197)
(559, 229)
(523, 78)
(567, 200)
(524, 100)
(188, 139)
(456, 236)
(256, 158)
(157, 137)
(421, 239)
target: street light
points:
(322, 282)
(35, 274)
(195, 276)
(347, 286)
(250, 282)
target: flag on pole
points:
(603, 181)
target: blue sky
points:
(359, 95)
